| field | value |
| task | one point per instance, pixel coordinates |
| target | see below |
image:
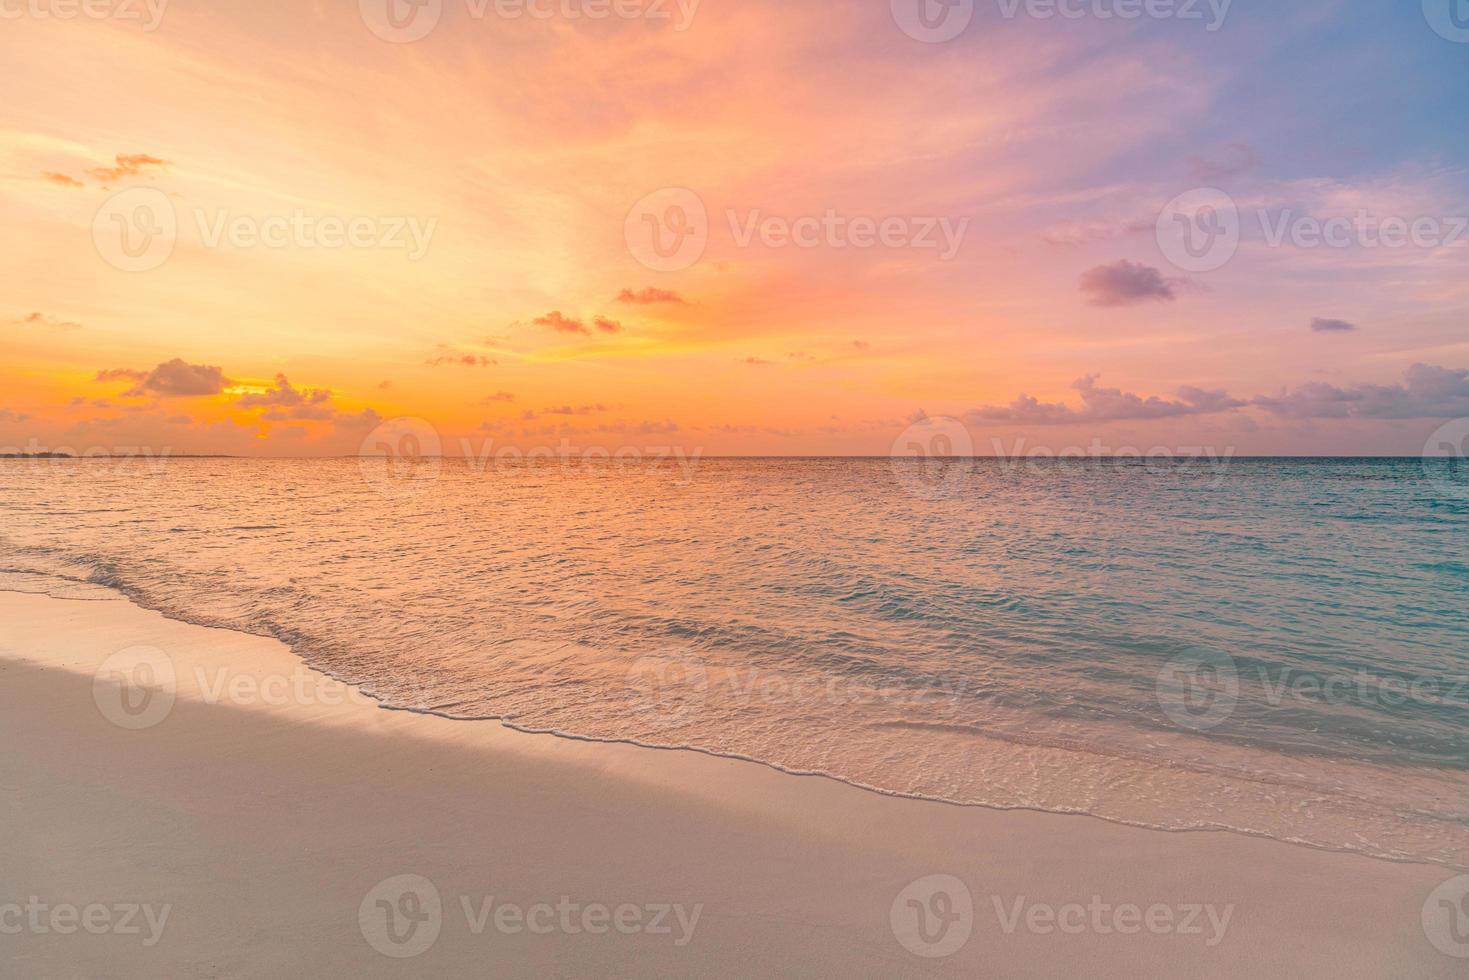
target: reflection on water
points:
(1273, 646)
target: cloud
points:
(757, 360)
(121, 374)
(41, 319)
(561, 324)
(7, 415)
(531, 414)
(1107, 405)
(1427, 391)
(366, 419)
(650, 295)
(61, 179)
(499, 396)
(286, 402)
(1322, 325)
(171, 379)
(1124, 283)
(1234, 160)
(1078, 233)
(606, 326)
(128, 165)
(648, 428)
(861, 345)
(462, 360)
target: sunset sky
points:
(499, 171)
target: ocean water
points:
(1275, 647)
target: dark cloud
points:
(7, 415)
(1323, 325)
(171, 379)
(285, 402)
(1107, 405)
(606, 326)
(1427, 391)
(649, 296)
(1123, 283)
(499, 396)
(283, 393)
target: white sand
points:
(262, 827)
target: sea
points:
(1276, 647)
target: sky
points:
(283, 227)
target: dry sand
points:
(264, 815)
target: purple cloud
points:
(1124, 283)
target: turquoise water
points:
(1277, 647)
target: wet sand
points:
(267, 821)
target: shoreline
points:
(789, 875)
(115, 589)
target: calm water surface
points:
(1276, 647)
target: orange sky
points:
(525, 312)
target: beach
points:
(269, 821)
